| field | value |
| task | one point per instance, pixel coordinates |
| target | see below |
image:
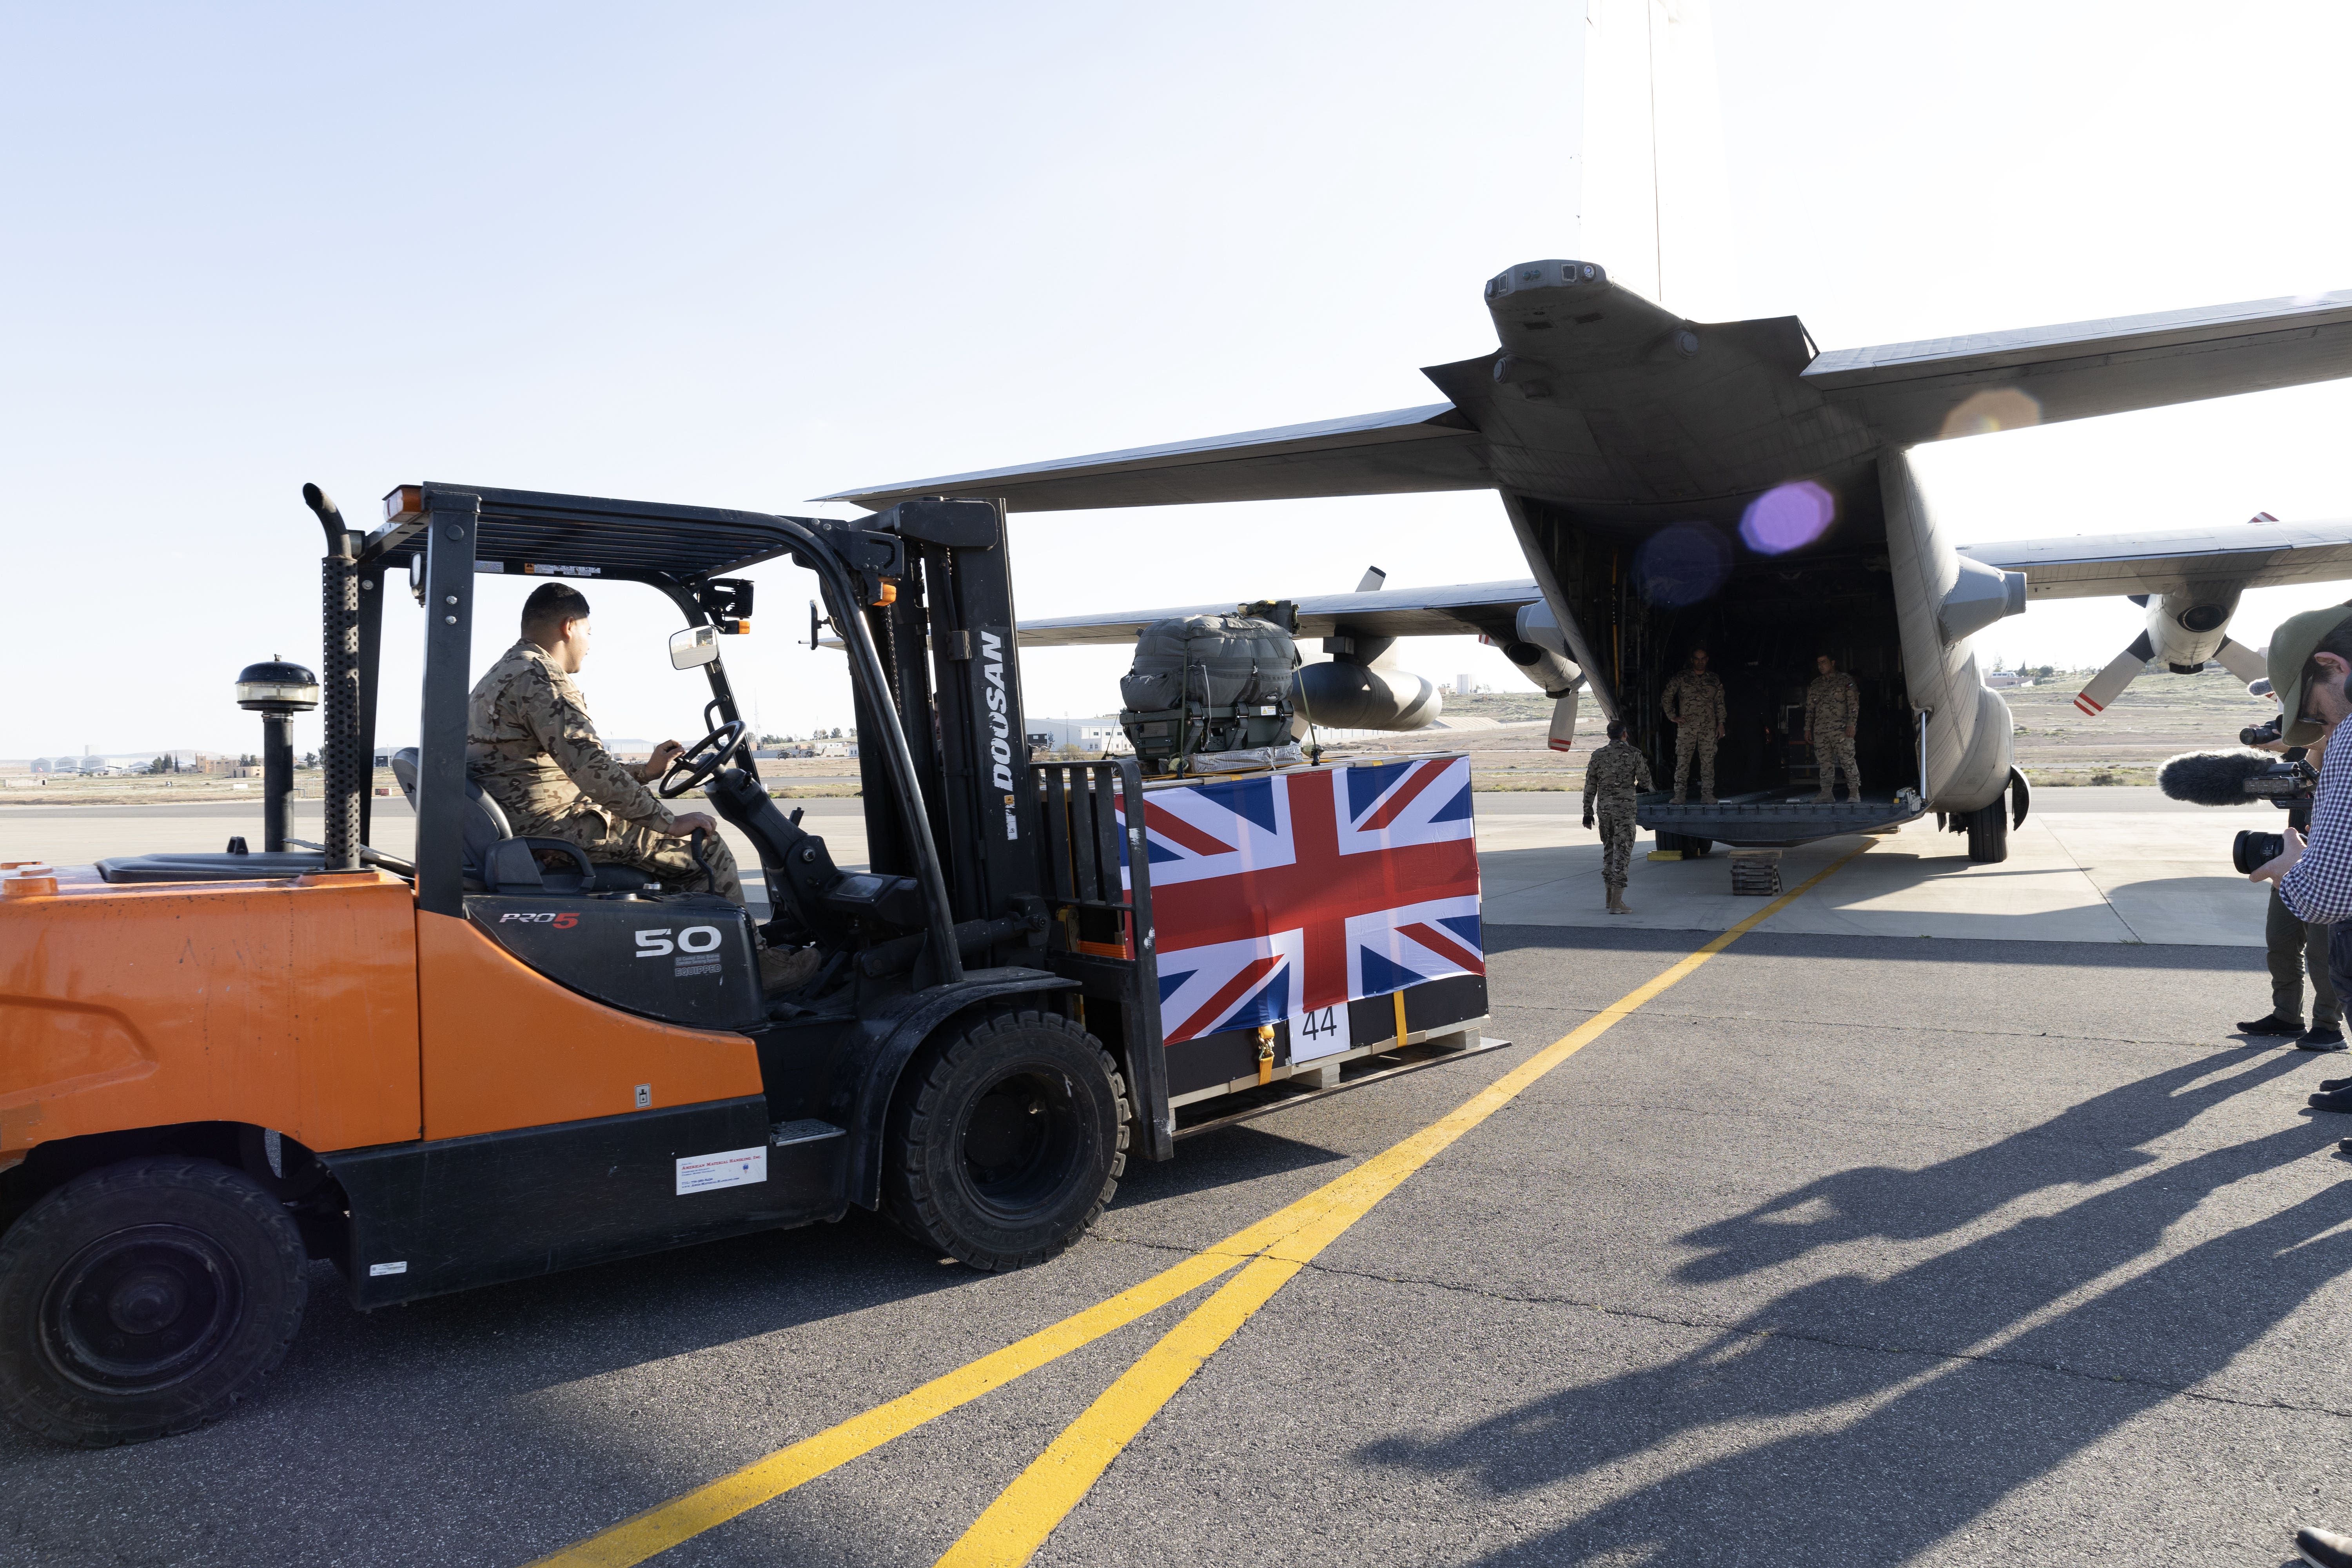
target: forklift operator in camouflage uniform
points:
(1833, 709)
(531, 747)
(1613, 775)
(1693, 701)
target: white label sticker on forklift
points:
(1319, 1032)
(735, 1168)
(377, 1270)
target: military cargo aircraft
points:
(1677, 483)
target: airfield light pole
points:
(276, 690)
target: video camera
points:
(2233, 778)
(2265, 733)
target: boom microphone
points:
(2213, 778)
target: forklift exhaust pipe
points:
(339, 684)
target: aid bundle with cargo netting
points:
(1206, 685)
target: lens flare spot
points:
(1785, 517)
(1997, 409)
(1682, 564)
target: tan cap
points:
(2292, 645)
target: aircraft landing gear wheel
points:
(145, 1298)
(1989, 833)
(1005, 1140)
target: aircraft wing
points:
(1462, 608)
(2254, 554)
(1947, 388)
(1404, 450)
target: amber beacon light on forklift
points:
(501, 1059)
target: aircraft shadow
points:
(1954, 1417)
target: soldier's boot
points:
(1617, 900)
(787, 968)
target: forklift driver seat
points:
(512, 863)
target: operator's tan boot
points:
(787, 968)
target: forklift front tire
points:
(1007, 1139)
(145, 1298)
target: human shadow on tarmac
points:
(1943, 1413)
(2086, 1143)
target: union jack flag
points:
(1310, 889)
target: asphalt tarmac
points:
(1844, 1249)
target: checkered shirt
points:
(2319, 888)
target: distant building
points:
(1101, 735)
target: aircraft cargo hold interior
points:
(1645, 595)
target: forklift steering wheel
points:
(700, 760)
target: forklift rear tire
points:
(1007, 1140)
(145, 1298)
(1989, 833)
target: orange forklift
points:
(502, 1059)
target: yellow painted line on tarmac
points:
(682, 1518)
(1017, 1523)
(1028, 1510)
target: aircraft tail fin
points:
(1655, 200)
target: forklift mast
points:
(959, 709)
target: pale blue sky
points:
(747, 255)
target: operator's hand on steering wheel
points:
(689, 825)
(696, 762)
(658, 764)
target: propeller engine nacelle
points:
(1341, 695)
(1541, 654)
(2185, 628)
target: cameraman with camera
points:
(2295, 946)
(2310, 658)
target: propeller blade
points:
(2242, 661)
(1372, 579)
(2109, 683)
(1563, 720)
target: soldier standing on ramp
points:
(1693, 704)
(1832, 707)
(1612, 776)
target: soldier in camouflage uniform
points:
(1832, 707)
(1693, 704)
(1613, 775)
(531, 747)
